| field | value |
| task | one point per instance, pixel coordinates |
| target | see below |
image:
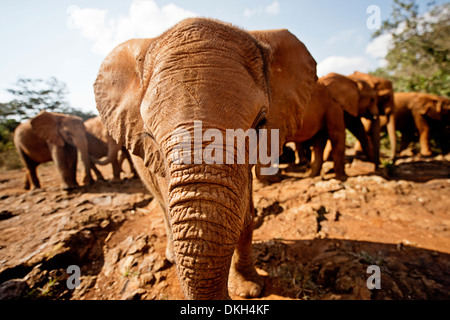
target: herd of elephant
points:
(204, 69)
(58, 137)
(365, 104)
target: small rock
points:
(12, 289)
(135, 295)
(159, 265)
(159, 277)
(139, 246)
(147, 279)
(127, 264)
(104, 224)
(102, 201)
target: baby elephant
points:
(53, 136)
(416, 110)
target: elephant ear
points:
(46, 126)
(119, 90)
(422, 103)
(344, 91)
(291, 74)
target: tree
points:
(419, 56)
(34, 95)
(31, 97)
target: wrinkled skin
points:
(415, 111)
(53, 137)
(359, 101)
(386, 109)
(103, 149)
(204, 70)
(324, 118)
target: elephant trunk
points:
(113, 149)
(206, 207)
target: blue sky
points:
(68, 39)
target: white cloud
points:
(272, 9)
(343, 65)
(379, 47)
(145, 19)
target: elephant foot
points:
(245, 284)
(426, 154)
(341, 177)
(88, 181)
(69, 188)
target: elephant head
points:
(432, 106)
(60, 129)
(386, 106)
(208, 72)
(356, 97)
(383, 88)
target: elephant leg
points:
(31, 178)
(358, 148)
(61, 156)
(319, 142)
(392, 136)
(424, 135)
(71, 162)
(374, 138)
(405, 140)
(116, 169)
(243, 279)
(336, 132)
(97, 172)
(304, 155)
(357, 129)
(126, 154)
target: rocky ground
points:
(314, 237)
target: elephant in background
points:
(416, 112)
(53, 136)
(104, 150)
(359, 101)
(386, 110)
(324, 118)
(227, 78)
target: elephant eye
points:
(260, 120)
(148, 135)
(261, 124)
